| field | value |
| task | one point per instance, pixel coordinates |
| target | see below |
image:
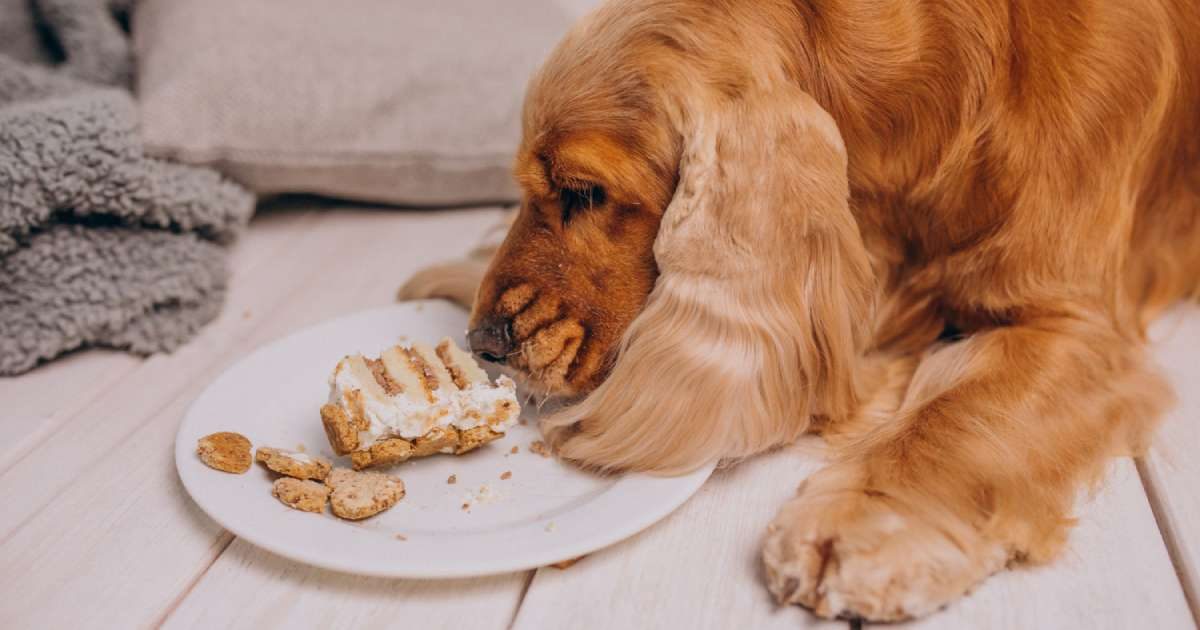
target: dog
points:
(932, 231)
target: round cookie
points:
(225, 451)
(358, 495)
(293, 463)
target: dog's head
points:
(597, 167)
(576, 266)
(684, 255)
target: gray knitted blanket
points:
(99, 245)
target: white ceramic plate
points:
(545, 512)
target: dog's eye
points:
(575, 200)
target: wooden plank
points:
(35, 406)
(699, 568)
(1114, 574)
(34, 403)
(99, 517)
(250, 588)
(1171, 471)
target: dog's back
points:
(1062, 137)
(1166, 236)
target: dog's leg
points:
(456, 281)
(979, 466)
(459, 280)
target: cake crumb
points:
(514, 450)
(466, 506)
(540, 448)
(566, 564)
(485, 494)
(401, 537)
(301, 448)
(506, 475)
(521, 421)
(452, 479)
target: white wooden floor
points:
(96, 531)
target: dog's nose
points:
(492, 340)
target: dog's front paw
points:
(854, 555)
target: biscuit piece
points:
(438, 440)
(383, 453)
(308, 496)
(341, 430)
(472, 439)
(225, 451)
(293, 464)
(358, 495)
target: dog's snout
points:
(492, 340)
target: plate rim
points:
(681, 488)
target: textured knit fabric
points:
(99, 245)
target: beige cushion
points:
(410, 102)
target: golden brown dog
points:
(932, 230)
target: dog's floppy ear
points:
(762, 308)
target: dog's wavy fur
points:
(933, 231)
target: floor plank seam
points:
(223, 541)
(1170, 538)
(531, 574)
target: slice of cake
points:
(414, 401)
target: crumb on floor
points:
(566, 564)
(466, 506)
(506, 475)
(401, 537)
(540, 448)
(452, 479)
(514, 450)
